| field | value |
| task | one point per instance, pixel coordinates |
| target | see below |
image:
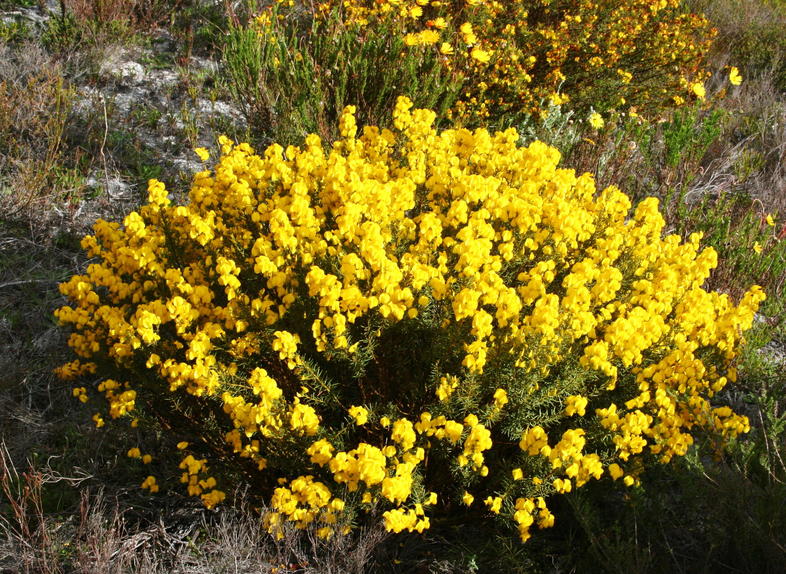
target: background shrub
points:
(750, 35)
(516, 58)
(293, 74)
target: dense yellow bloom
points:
(444, 280)
(320, 452)
(304, 419)
(404, 433)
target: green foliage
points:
(200, 26)
(14, 31)
(748, 246)
(67, 35)
(688, 134)
(559, 128)
(295, 76)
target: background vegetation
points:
(80, 134)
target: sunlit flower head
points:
(596, 120)
(481, 56)
(734, 76)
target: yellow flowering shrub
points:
(406, 323)
(520, 57)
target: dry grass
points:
(100, 537)
(35, 105)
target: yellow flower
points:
(446, 387)
(698, 90)
(203, 154)
(481, 56)
(575, 405)
(500, 398)
(494, 503)
(558, 99)
(150, 483)
(359, 414)
(411, 39)
(467, 499)
(428, 37)
(770, 221)
(615, 471)
(468, 35)
(596, 121)
(321, 452)
(345, 229)
(734, 76)
(446, 49)
(757, 247)
(182, 444)
(325, 533)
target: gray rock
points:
(115, 187)
(121, 67)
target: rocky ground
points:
(141, 106)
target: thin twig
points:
(103, 144)
(26, 282)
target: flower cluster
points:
(402, 322)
